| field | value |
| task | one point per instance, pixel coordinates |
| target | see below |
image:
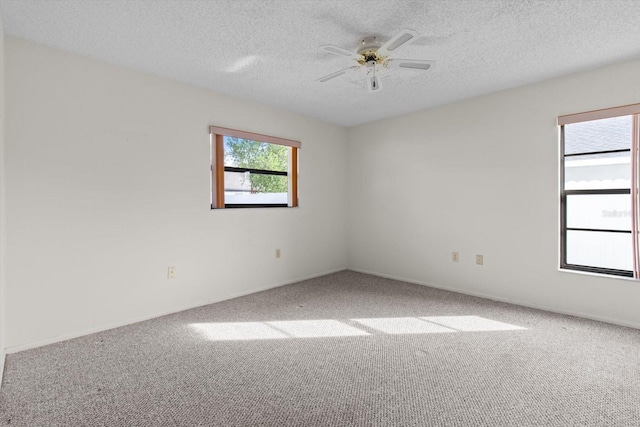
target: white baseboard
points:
(2, 357)
(53, 340)
(613, 321)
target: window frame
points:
(218, 168)
(627, 110)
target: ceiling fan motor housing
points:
(369, 44)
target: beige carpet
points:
(345, 349)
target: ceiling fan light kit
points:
(374, 57)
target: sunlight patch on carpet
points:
(325, 328)
(316, 328)
(403, 325)
(235, 331)
(471, 323)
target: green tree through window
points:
(246, 153)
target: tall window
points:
(599, 191)
(250, 170)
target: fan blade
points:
(414, 64)
(373, 84)
(339, 51)
(336, 74)
(403, 38)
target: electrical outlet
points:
(171, 272)
(455, 256)
(277, 253)
(479, 259)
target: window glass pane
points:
(598, 135)
(597, 171)
(246, 153)
(252, 188)
(601, 211)
(600, 249)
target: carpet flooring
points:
(346, 349)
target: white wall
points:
(108, 185)
(481, 177)
(2, 210)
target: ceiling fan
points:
(374, 58)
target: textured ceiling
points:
(267, 50)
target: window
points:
(599, 191)
(250, 170)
